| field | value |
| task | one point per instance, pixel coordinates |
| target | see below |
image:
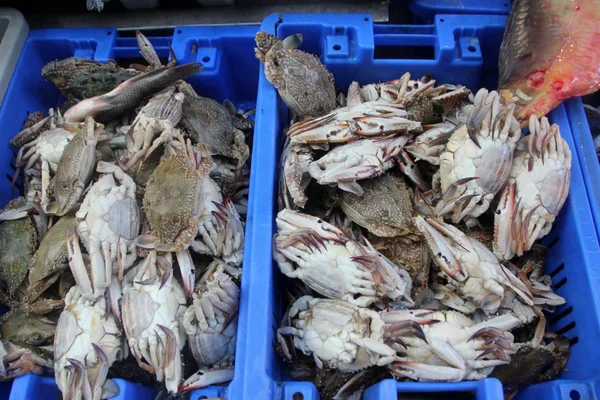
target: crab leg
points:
(78, 267)
(425, 372)
(288, 220)
(172, 360)
(186, 266)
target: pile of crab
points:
(122, 256)
(408, 219)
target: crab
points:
(414, 257)
(303, 82)
(351, 123)
(19, 241)
(476, 278)
(83, 78)
(337, 334)
(50, 260)
(324, 258)
(455, 349)
(86, 343)
(158, 117)
(220, 229)
(534, 364)
(478, 158)
(74, 170)
(294, 175)
(174, 202)
(42, 143)
(153, 305)
(211, 325)
(20, 326)
(361, 159)
(109, 221)
(208, 122)
(537, 189)
(385, 208)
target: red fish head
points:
(549, 53)
(542, 90)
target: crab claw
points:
(288, 220)
(407, 327)
(187, 268)
(494, 354)
(78, 267)
(114, 295)
(306, 236)
(171, 360)
(204, 378)
(425, 372)
(438, 243)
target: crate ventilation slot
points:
(559, 284)
(553, 242)
(566, 328)
(561, 315)
(557, 270)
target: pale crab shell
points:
(338, 334)
(152, 309)
(220, 229)
(456, 348)
(109, 221)
(154, 125)
(478, 158)
(81, 325)
(48, 147)
(473, 271)
(537, 189)
(321, 256)
(373, 118)
(361, 159)
(211, 321)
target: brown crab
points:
(83, 78)
(18, 242)
(173, 203)
(74, 170)
(534, 364)
(301, 79)
(210, 123)
(385, 207)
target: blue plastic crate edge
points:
(426, 10)
(584, 146)
(489, 388)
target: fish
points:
(130, 93)
(549, 53)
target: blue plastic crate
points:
(464, 50)
(230, 72)
(424, 11)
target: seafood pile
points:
(409, 216)
(122, 257)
